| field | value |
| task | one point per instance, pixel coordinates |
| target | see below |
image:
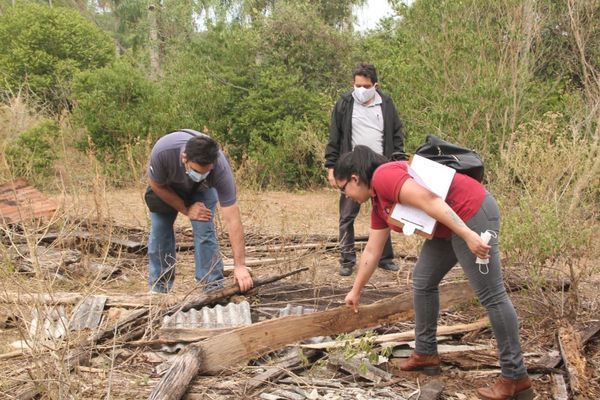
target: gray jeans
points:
(437, 257)
(349, 209)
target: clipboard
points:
(433, 176)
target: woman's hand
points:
(477, 246)
(352, 299)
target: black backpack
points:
(464, 161)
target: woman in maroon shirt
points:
(467, 211)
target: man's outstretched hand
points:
(242, 278)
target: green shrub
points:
(32, 154)
(43, 47)
(116, 105)
(545, 217)
(285, 126)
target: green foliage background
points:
(518, 81)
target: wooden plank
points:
(553, 358)
(130, 245)
(575, 363)
(404, 336)
(88, 313)
(559, 387)
(230, 349)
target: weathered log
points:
(553, 358)
(575, 363)
(232, 348)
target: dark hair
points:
(366, 70)
(202, 150)
(362, 161)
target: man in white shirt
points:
(364, 116)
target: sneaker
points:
(346, 270)
(389, 266)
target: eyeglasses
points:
(342, 189)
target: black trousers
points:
(348, 211)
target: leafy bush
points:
(545, 217)
(43, 47)
(32, 154)
(116, 105)
(285, 126)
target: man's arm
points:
(397, 134)
(168, 196)
(233, 220)
(332, 150)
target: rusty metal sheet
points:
(20, 201)
(88, 313)
(217, 317)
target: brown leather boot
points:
(428, 363)
(508, 389)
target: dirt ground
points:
(269, 215)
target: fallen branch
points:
(404, 336)
(224, 351)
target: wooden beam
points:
(575, 362)
(553, 358)
(230, 349)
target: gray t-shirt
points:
(166, 168)
(367, 125)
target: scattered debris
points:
(19, 202)
(360, 366)
(51, 323)
(88, 313)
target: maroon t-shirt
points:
(465, 196)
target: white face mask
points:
(196, 176)
(363, 95)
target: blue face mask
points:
(196, 176)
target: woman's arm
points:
(415, 195)
(367, 264)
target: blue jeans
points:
(161, 248)
(437, 257)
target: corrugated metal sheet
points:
(88, 313)
(217, 317)
(19, 201)
(295, 310)
(51, 322)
